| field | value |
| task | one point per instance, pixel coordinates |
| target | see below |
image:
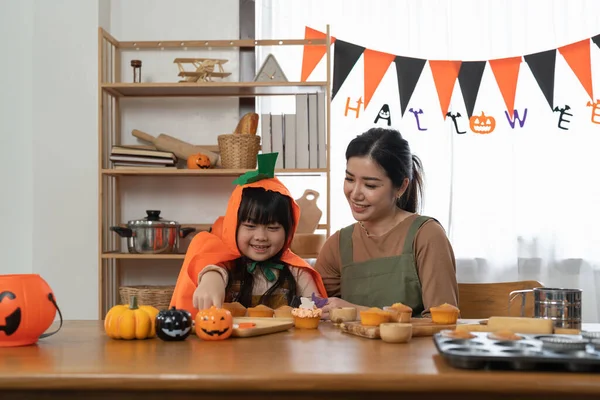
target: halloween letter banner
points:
(468, 74)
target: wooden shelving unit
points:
(111, 89)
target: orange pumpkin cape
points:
(220, 246)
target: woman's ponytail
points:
(412, 199)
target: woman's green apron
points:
(383, 281)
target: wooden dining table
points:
(81, 362)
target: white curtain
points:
(517, 204)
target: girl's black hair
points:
(391, 151)
(263, 207)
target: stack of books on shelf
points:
(141, 157)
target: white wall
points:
(64, 155)
(16, 170)
(48, 132)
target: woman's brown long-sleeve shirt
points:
(436, 265)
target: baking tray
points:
(576, 353)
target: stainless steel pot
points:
(152, 234)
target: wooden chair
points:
(483, 300)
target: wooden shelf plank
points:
(200, 172)
(238, 89)
(156, 45)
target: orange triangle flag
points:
(577, 56)
(506, 72)
(311, 55)
(376, 65)
(444, 77)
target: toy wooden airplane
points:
(205, 69)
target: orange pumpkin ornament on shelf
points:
(198, 161)
(27, 309)
(131, 321)
(482, 124)
(214, 324)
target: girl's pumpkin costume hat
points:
(220, 245)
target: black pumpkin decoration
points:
(173, 325)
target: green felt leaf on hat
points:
(266, 169)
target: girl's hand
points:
(334, 302)
(210, 291)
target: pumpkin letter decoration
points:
(198, 161)
(130, 321)
(173, 325)
(482, 124)
(27, 309)
(214, 323)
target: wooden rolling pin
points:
(521, 325)
(178, 147)
(527, 325)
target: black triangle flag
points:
(345, 55)
(408, 71)
(469, 78)
(596, 39)
(542, 66)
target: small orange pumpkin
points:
(214, 324)
(482, 124)
(198, 161)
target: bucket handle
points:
(51, 298)
(515, 293)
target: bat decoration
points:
(561, 118)
(416, 114)
(385, 114)
(454, 118)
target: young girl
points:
(246, 257)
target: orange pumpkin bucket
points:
(27, 309)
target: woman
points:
(391, 254)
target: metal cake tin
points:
(577, 353)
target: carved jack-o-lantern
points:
(198, 161)
(214, 324)
(10, 311)
(27, 309)
(482, 124)
(173, 325)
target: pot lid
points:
(152, 219)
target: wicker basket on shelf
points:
(238, 151)
(156, 296)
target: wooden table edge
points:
(496, 383)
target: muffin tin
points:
(577, 353)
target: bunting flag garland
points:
(445, 73)
(542, 66)
(506, 72)
(596, 39)
(577, 55)
(444, 76)
(345, 55)
(408, 71)
(377, 63)
(311, 55)
(469, 79)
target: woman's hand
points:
(335, 302)
(210, 291)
